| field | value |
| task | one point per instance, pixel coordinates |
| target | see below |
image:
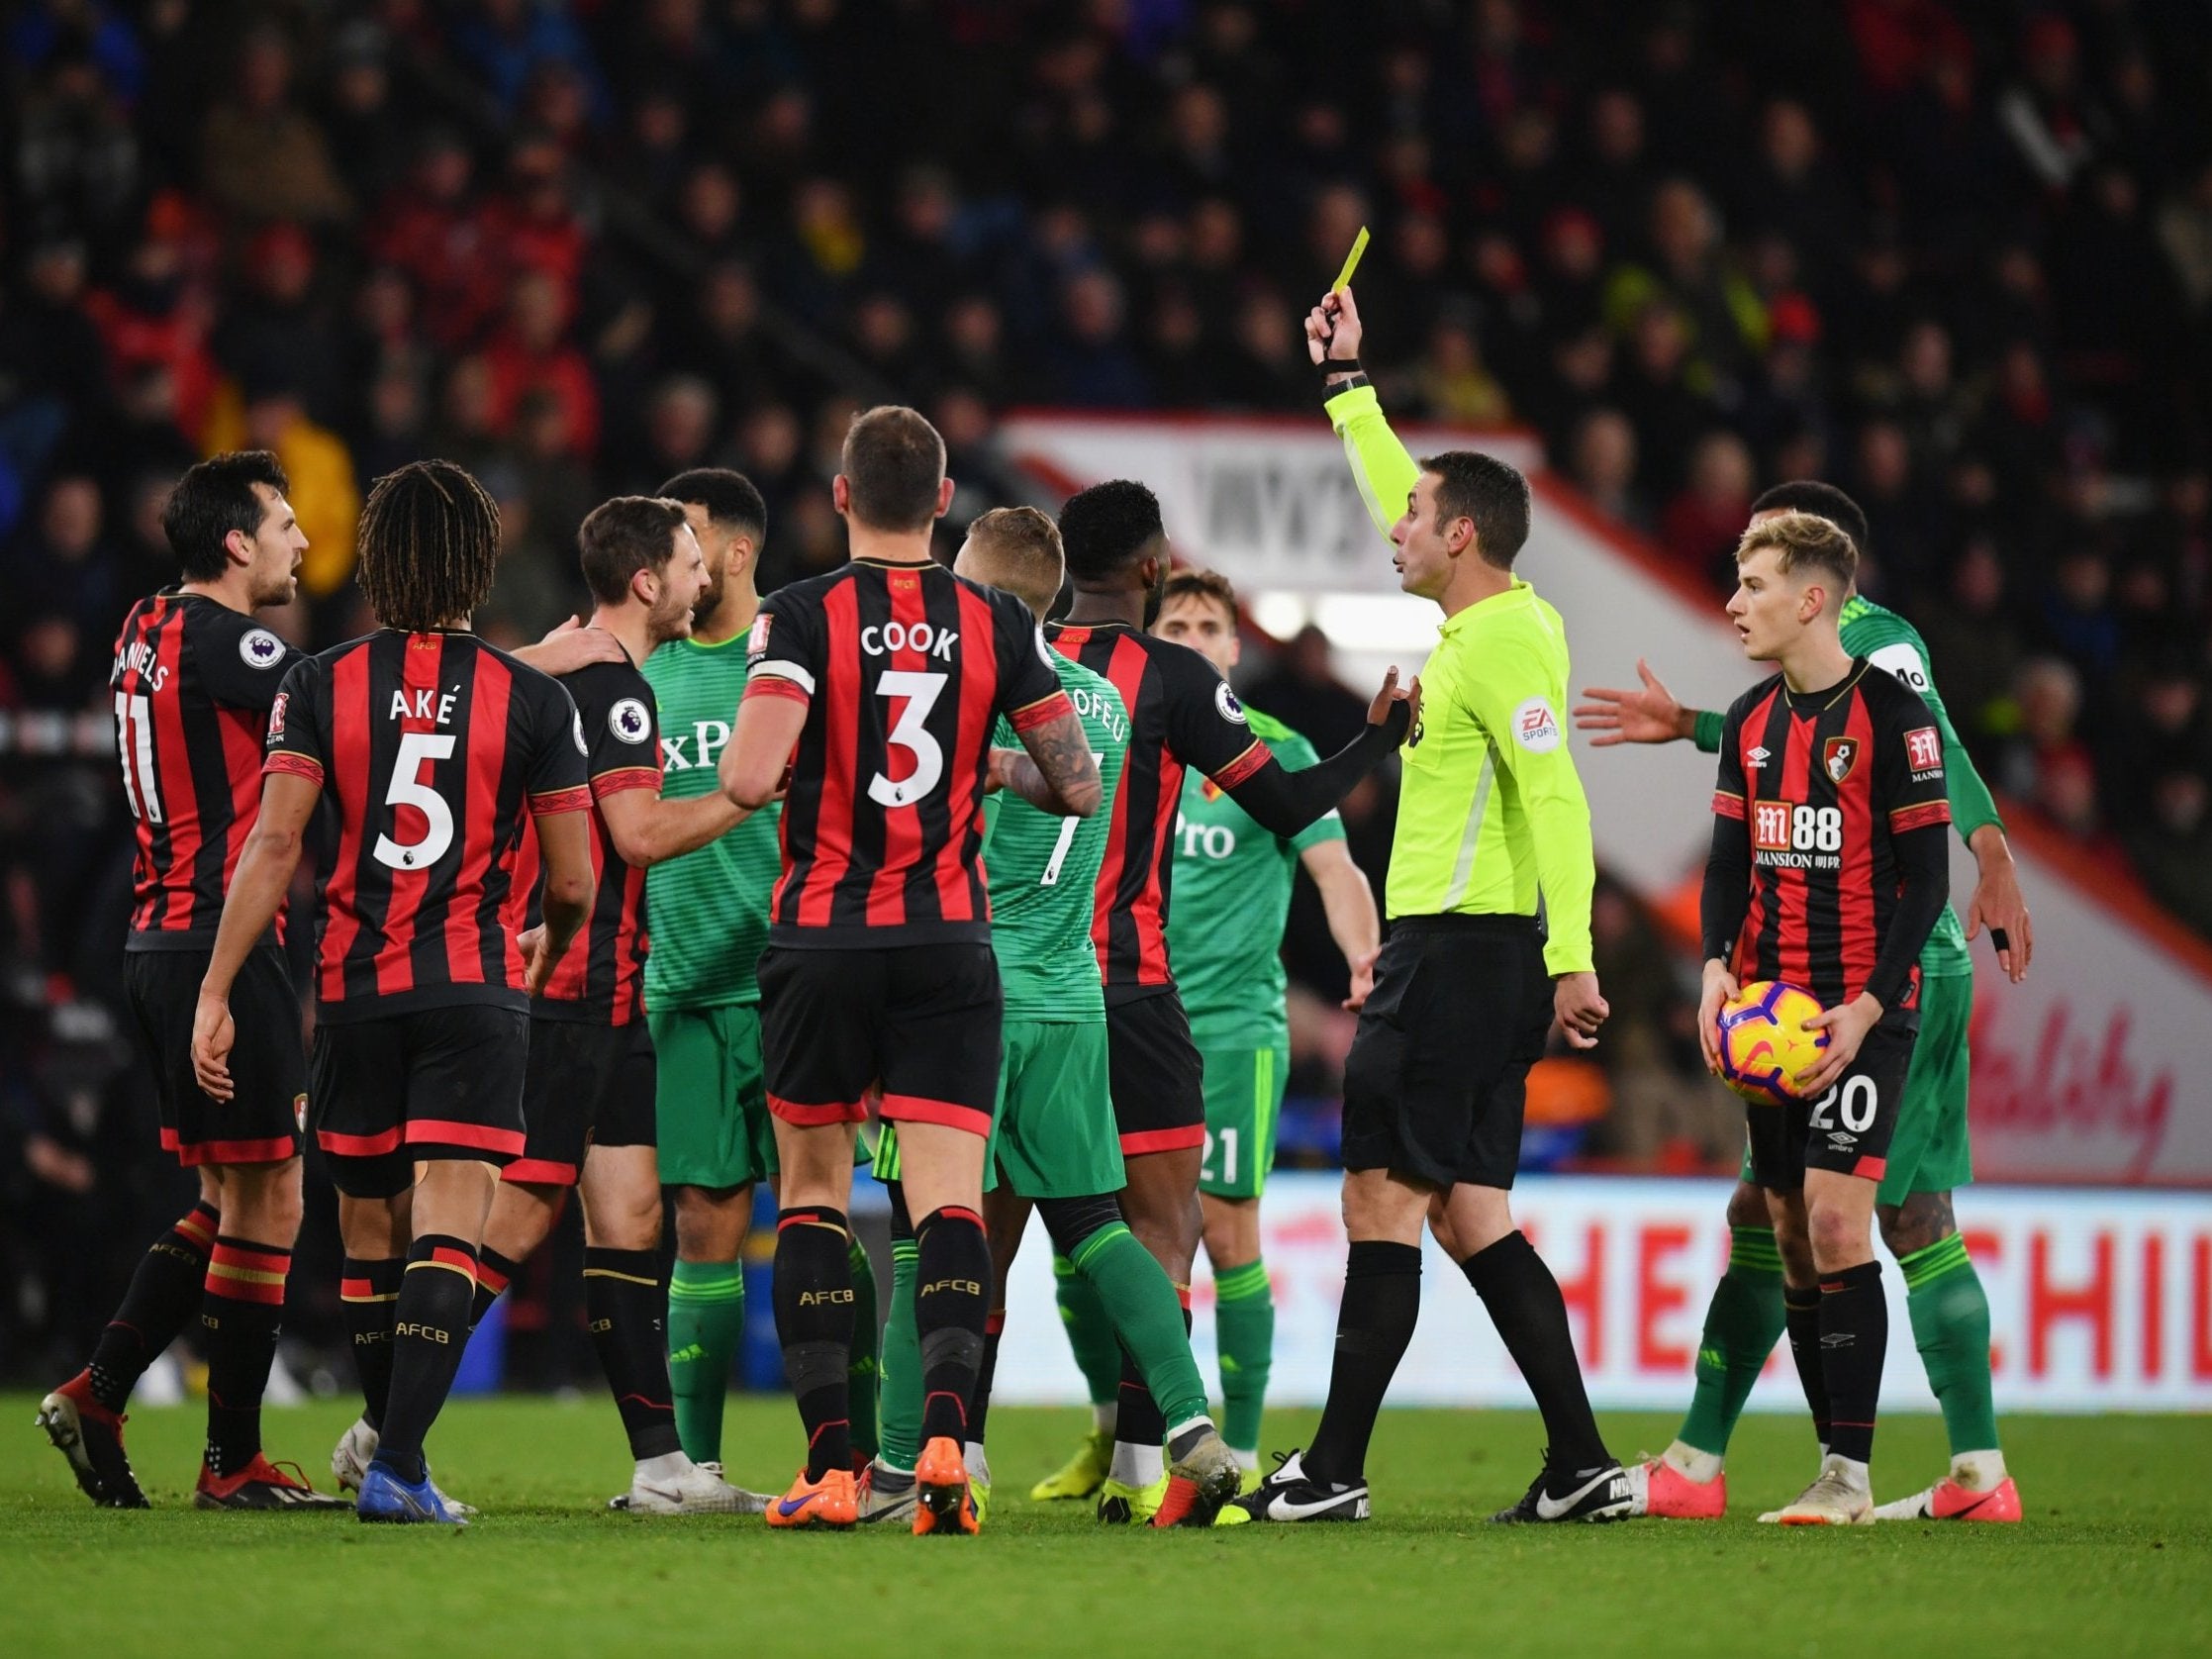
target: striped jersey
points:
(430, 749)
(1232, 884)
(1044, 868)
(1181, 714)
(602, 978)
(1822, 782)
(709, 909)
(193, 683)
(904, 670)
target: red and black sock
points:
(493, 1273)
(813, 1322)
(626, 1303)
(429, 1331)
(1374, 1322)
(952, 1289)
(1524, 1303)
(369, 1289)
(240, 1308)
(1802, 1318)
(164, 1293)
(1853, 1341)
(987, 1370)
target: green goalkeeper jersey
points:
(1887, 640)
(1042, 870)
(1232, 897)
(708, 910)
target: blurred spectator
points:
(260, 156)
(2172, 846)
(1603, 463)
(1701, 526)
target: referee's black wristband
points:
(1357, 376)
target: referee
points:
(1491, 818)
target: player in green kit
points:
(1929, 1156)
(709, 913)
(1232, 886)
(1054, 1143)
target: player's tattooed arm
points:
(1057, 773)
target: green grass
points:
(2115, 1558)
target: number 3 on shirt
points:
(409, 789)
(909, 732)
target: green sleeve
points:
(1384, 471)
(1971, 805)
(1708, 735)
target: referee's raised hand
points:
(1332, 330)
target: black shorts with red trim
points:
(260, 1122)
(1436, 1082)
(1846, 1130)
(1156, 1076)
(587, 1084)
(439, 1083)
(924, 1020)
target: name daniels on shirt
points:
(143, 657)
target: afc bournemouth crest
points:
(1838, 757)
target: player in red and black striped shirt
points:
(1181, 714)
(879, 684)
(193, 680)
(1828, 870)
(588, 1102)
(432, 748)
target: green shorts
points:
(711, 1111)
(1929, 1152)
(1243, 1102)
(1052, 1128)
(1054, 1135)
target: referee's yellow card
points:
(1351, 262)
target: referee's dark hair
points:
(429, 545)
(213, 499)
(619, 538)
(729, 498)
(1810, 494)
(894, 467)
(1110, 527)
(1487, 492)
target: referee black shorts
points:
(1438, 1074)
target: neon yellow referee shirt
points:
(1491, 810)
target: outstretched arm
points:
(1282, 803)
(1381, 465)
(649, 828)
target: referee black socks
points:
(1382, 1303)
(1531, 1317)
(813, 1322)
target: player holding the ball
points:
(1828, 871)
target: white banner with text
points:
(2099, 1301)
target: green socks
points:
(1951, 1328)
(1743, 1322)
(1143, 1310)
(861, 1368)
(706, 1322)
(1090, 1333)
(1245, 1320)
(899, 1432)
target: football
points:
(1763, 1040)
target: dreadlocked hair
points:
(429, 545)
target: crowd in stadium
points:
(1956, 257)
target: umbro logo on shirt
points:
(1757, 758)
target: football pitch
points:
(2115, 1556)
